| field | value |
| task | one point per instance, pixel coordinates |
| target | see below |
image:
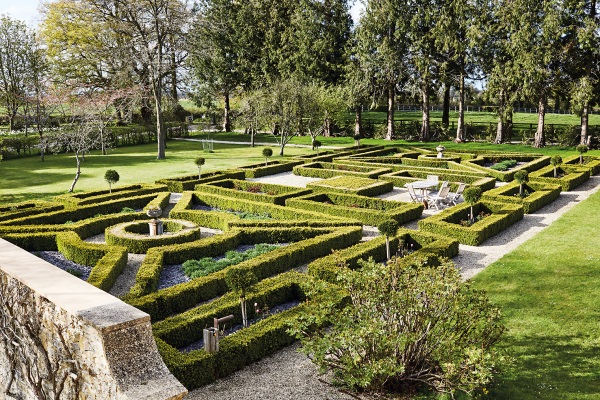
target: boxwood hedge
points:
(570, 179)
(540, 195)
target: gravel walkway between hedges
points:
(289, 374)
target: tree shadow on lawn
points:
(549, 367)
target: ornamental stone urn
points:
(440, 149)
(155, 226)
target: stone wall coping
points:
(67, 291)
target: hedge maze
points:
(318, 230)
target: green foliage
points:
(388, 228)
(504, 165)
(240, 280)
(269, 168)
(472, 195)
(330, 170)
(135, 235)
(267, 152)
(208, 265)
(437, 330)
(352, 185)
(556, 160)
(111, 176)
(540, 195)
(199, 161)
(260, 192)
(573, 176)
(522, 177)
(582, 148)
(448, 222)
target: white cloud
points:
(24, 10)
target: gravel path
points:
(127, 279)
(287, 179)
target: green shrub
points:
(208, 265)
(183, 183)
(134, 236)
(403, 321)
(540, 195)
(254, 191)
(368, 210)
(448, 222)
(353, 185)
(573, 176)
(328, 170)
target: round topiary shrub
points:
(111, 176)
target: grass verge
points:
(548, 290)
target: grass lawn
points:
(549, 291)
(28, 178)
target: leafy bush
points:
(407, 325)
(207, 265)
(504, 165)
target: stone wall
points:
(61, 338)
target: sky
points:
(27, 10)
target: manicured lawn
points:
(549, 291)
(28, 178)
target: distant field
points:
(28, 178)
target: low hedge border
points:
(542, 195)
(275, 194)
(182, 183)
(448, 221)
(353, 185)
(591, 163)
(198, 368)
(85, 212)
(428, 244)
(101, 196)
(575, 176)
(369, 211)
(21, 210)
(184, 296)
(532, 164)
(134, 235)
(275, 211)
(386, 151)
(421, 162)
(401, 178)
(107, 262)
(447, 157)
(329, 170)
(272, 168)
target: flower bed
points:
(589, 162)
(328, 170)
(539, 195)
(353, 185)
(182, 183)
(569, 177)
(448, 222)
(424, 244)
(368, 210)
(254, 191)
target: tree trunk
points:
(390, 113)
(425, 111)
(109, 187)
(226, 116)
(358, 121)
(460, 129)
(281, 148)
(509, 123)
(446, 106)
(327, 125)
(584, 123)
(78, 173)
(244, 312)
(500, 127)
(387, 247)
(252, 133)
(540, 140)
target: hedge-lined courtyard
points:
(223, 212)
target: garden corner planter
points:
(540, 195)
(448, 222)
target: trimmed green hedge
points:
(273, 167)
(353, 185)
(186, 295)
(424, 244)
(254, 191)
(447, 157)
(328, 170)
(21, 210)
(85, 212)
(591, 163)
(531, 164)
(134, 236)
(102, 196)
(401, 178)
(541, 194)
(574, 177)
(182, 183)
(448, 221)
(39, 241)
(251, 344)
(370, 211)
